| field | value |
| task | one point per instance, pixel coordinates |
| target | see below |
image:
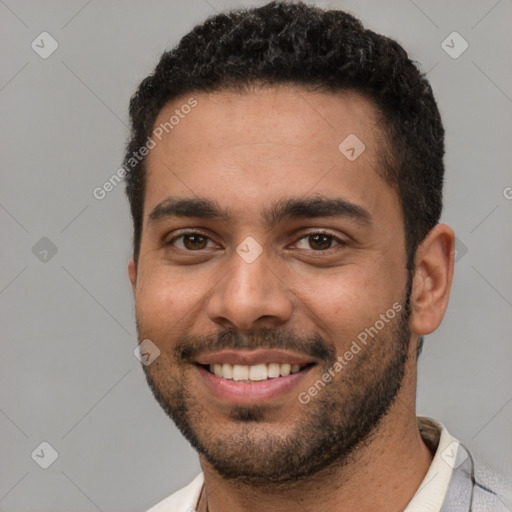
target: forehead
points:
(280, 115)
(247, 148)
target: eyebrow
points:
(188, 207)
(284, 209)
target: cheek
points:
(348, 301)
(162, 301)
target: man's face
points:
(304, 256)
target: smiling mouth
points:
(254, 373)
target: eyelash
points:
(338, 241)
(188, 233)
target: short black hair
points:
(298, 44)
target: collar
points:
(432, 491)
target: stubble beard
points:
(343, 416)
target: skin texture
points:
(246, 152)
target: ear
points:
(132, 273)
(432, 281)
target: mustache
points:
(313, 346)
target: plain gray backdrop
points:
(69, 377)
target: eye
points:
(191, 241)
(319, 241)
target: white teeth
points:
(285, 370)
(255, 373)
(274, 370)
(258, 372)
(227, 371)
(240, 372)
(217, 369)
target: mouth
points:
(254, 373)
(252, 377)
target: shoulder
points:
(184, 500)
(492, 489)
(458, 480)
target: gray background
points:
(68, 374)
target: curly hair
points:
(298, 44)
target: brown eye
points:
(194, 242)
(320, 241)
(190, 242)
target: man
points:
(285, 175)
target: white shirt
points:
(428, 498)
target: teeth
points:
(227, 371)
(255, 373)
(258, 372)
(274, 370)
(217, 369)
(240, 372)
(285, 369)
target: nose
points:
(250, 296)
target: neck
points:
(383, 475)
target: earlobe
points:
(432, 281)
(132, 273)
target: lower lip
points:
(250, 393)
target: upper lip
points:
(252, 357)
